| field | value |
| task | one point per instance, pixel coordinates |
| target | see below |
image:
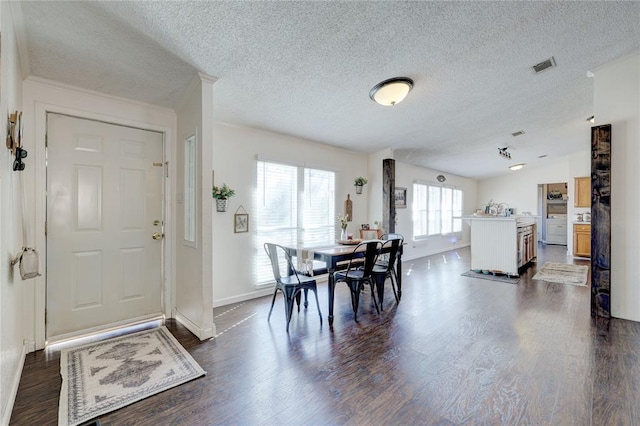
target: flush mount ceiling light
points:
(517, 166)
(392, 91)
(591, 119)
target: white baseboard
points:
(8, 409)
(199, 332)
(431, 253)
(267, 291)
(261, 292)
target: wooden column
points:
(601, 221)
(388, 202)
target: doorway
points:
(552, 209)
(105, 204)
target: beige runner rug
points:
(103, 376)
(563, 273)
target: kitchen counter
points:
(581, 223)
(502, 243)
(517, 217)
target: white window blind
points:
(436, 210)
(295, 206)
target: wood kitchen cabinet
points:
(582, 192)
(582, 240)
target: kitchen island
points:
(502, 244)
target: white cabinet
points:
(503, 244)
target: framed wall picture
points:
(241, 222)
(400, 196)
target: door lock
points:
(157, 236)
(157, 223)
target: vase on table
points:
(343, 234)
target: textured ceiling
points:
(306, 68)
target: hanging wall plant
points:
(359, 183)
(222, 195)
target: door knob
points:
(157, 236)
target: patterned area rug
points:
(563, 273)
(103, 376)
(493, 277)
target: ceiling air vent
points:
(518, 133)
(544, 65)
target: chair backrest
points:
(371, 250)
(393, 245)
(276, 254)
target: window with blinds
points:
(436, 210)
(295, 206)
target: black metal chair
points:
(384, 269)
(357, 275)
(290, 282)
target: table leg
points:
(399, 275)
(332, 285)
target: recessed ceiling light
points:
(392, 91)
(517, 166)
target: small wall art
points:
(400, 197)
(241, 221)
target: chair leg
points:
(272, 302)
(379, 281)
(393, 278)
(373, 295)
(298, 300)
(289, 300)
(355, 298)
(315, 292)
(306, 302)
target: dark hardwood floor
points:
(456, 350)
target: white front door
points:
(104, 203)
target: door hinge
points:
(46, 140)
(46, 228)
(45, 316)
(166, 168)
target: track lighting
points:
(502, 152)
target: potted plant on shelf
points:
(222, 194)
(359, 183)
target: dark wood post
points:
(601, 221)
(388, 199)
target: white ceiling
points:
(306, 68)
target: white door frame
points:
(168, 258)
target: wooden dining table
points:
(334, 254)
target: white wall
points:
(617, 102)
(12, 350)
(194, 261)
(406, 175)
(519, 189)
(235, 151)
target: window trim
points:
(440, 186)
